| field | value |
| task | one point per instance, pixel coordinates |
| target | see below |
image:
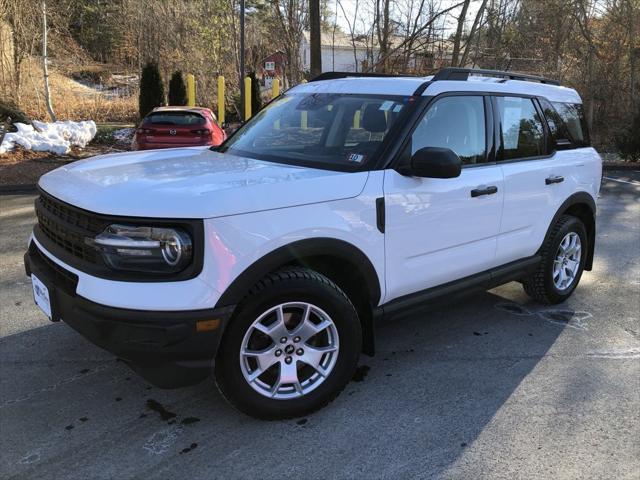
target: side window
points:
(557, 128)
(521, 130)
(457, 123)
(572, 116)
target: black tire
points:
(288, 285)
(540, 286)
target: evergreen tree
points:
(151, 89)
(177, 90)
(256, 97)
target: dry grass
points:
(72, 100)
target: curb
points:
(18, 189)
(621, 167)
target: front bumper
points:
(149, 340)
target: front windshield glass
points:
(323, 130)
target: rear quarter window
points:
(566, 122)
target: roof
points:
(400, 85)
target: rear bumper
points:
(146, 339)
(159, 145)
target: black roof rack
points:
(336, 75)
(463, 74)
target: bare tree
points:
(472, 33)
(383, 31)
(45, 67)
(458, 35)
(291, 17)
(351, 23)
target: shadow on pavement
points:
(69, 409)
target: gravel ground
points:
(492, 387)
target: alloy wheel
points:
(289, 350)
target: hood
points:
(193, 183)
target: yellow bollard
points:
(247, 99)
(191, 90)
(221, 100)
(275, 88)
(356, 119)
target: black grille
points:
(63, 279)
(62, 230)
(68, 227)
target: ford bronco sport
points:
(353, 197)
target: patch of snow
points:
(124, 135)
(56, 137)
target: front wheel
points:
(562, 264)
(291, 347)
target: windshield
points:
(322, 130)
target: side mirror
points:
(434, 162)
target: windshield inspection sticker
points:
(355, 157)
(386, 105)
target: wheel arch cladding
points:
(582, 206)
(342, 262)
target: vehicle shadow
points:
(437, 380)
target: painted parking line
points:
(632, 182)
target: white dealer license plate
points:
(41, 295)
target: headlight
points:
(144, 249)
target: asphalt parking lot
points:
(492, 387)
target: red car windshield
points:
(174, 118)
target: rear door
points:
(440, 230)
(536, 179)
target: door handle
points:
(554, 179)
(490, 190)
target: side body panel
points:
(436, 231)
(237, 242)
(530, 204)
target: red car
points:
(170, 127)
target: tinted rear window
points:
(566, 122)
(174, 118)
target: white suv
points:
(347, 199)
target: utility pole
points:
(242, 92)
(45, 68)
(314, 38)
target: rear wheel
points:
(291, 348)
(562, 263)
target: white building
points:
(341, 54)
(338, 53)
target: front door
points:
(440, 230)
